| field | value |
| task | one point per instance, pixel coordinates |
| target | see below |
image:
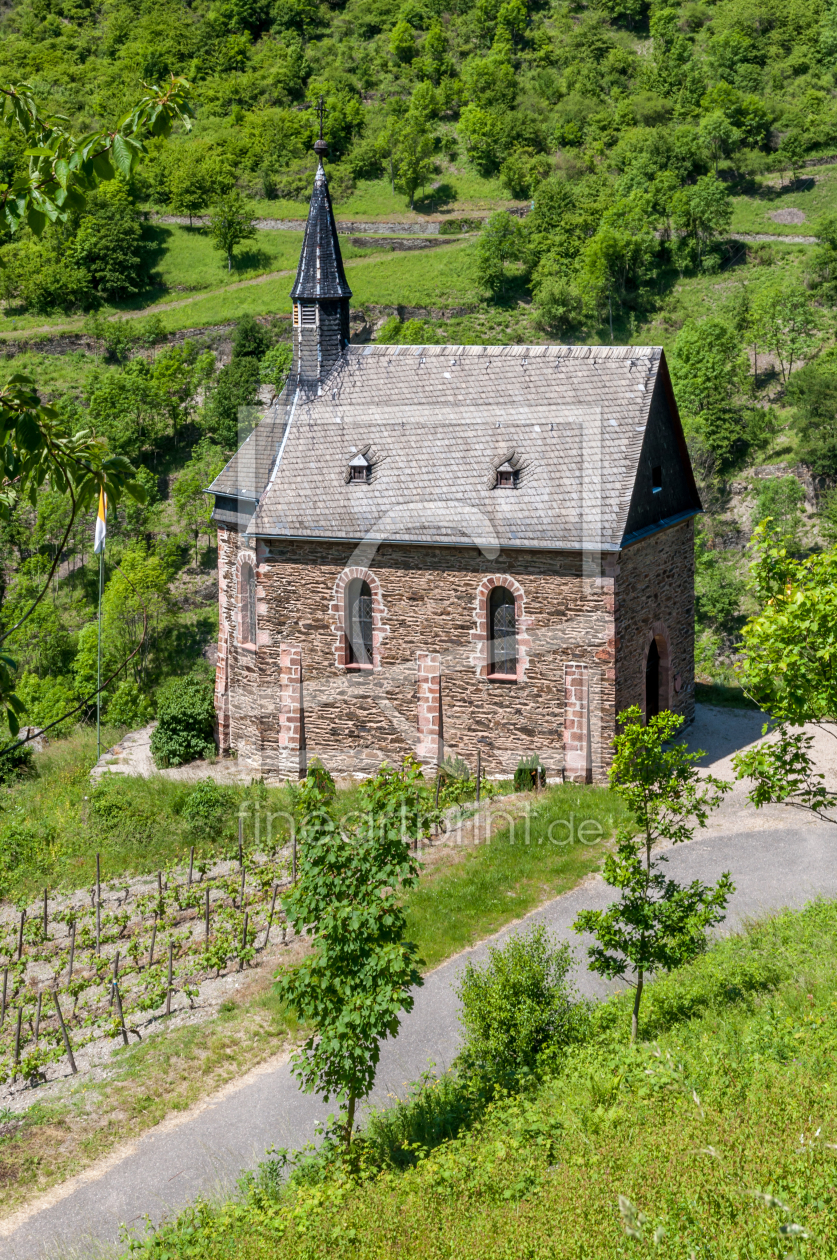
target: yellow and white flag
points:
(101, 524)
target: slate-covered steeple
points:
(320, 294)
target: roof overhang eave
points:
(666, 523)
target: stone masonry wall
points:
(655, 599)
(426, 601)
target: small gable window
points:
(359, 469)
(506, 477)
(247, 597)
(359, 625)
(656, 478)
(502, 634)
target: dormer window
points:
(656, 479)
(305, 315)
(506, 477)
(359, 469)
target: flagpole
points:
(99, 658)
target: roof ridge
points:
(534, 352)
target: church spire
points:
(321, 293)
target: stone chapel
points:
(441, 550)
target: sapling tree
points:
(789, 668)
(657, 924)
(355, 983)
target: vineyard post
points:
(98, 903)
(115, 978)
(438, 782)
(72, 951)
(243, 939)
(20, 935)
(240, 840)
(3, 1005)
(38, 1017)
(119, 1013)
(160, 888)
(206, 916)
(241, 896)
(479, 773)
(270, 916)
(65, 1034)
(153, 940)
(46, 912)
(293, 874)
(17, 1040)
(191, 865)
(168, 990)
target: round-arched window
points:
(358, 624)
(502, 633)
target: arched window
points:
(359, 625)
(247, 596)
(502, 634)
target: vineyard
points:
(75, 970)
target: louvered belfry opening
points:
(321, 293)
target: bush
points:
(517, 1004)
(530, 774)
(207, 808)
(186, 721)
(16, 762)
(129, 707)
(322, 780)
(47, 700)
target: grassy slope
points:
(814, 193)
(465, 893)
(691, 1127)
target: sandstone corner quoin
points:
(441, 550)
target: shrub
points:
(517, 1004)
(186, 720)
(129, 707)
(530, 774)
(208, 807)
(16, 762)
(322, 780)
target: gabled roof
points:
(435, 424)
(320, 273)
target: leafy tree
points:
(517, 1004)
(126, 408)
(129, 707)
(719, 588)
(708, 371)
(234, 391)
(356, 981)
(501, 242)
(192, 504)
(230, 223)
(275, 366)
(414, 158)
(402, 41)
(617, 258)
(251, 340)
(657, 924)
(703, 211)
(782, 499)
(812, 390)
(719, 136)
(109, 244)
(785, 321)
(823, 262)
(185, 722)
(789, 667)
(177, 374)
(792, 151)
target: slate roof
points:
(436, 422)
(320, 273)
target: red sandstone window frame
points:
(337, 609)
(481, 635)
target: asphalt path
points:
(777, 859)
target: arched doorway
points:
(652, 681)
